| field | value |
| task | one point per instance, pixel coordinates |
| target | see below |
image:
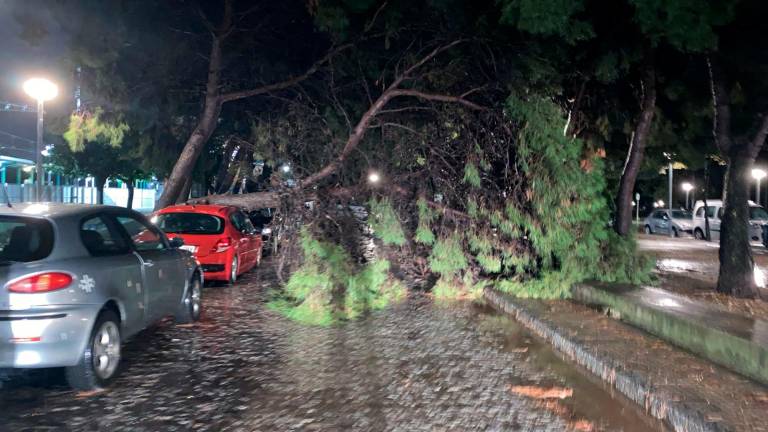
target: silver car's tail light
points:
(40, 283)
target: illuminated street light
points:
(286, 168)
(42, 91)
(687, 187)
(374, 177)
(758, 175)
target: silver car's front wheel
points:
(192, 304)
(100, 361)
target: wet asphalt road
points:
(415, 366)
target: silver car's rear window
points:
(189, 223)
(24, 239)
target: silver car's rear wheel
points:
(106, 350)
(100, 361)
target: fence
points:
(143, 199)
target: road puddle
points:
(566, 389)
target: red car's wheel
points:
(233, 269)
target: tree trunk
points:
(736, 275)
(221, 183)
(100, 188)
(131, 190)
(736, 263)
(635, 155)
(184, 194)
(182, 170)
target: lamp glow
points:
(758, 174)
(374, 177)
(687, 187)
(41, 89)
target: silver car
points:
(78, 280)
(661, 221)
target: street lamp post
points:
(41, 90)
(758, 175)
(687, 187)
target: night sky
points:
(20, 59)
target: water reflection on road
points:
(416, 366)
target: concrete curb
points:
(733, 341)
(635, 386)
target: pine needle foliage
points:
(447, 258)
(328, 288)
(385, 223)
(424, 232)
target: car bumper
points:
(45, 337)
(215, 266)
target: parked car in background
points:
(714, 211)
(78, 280)
(661, 221)
(262, 221)
(222, 238)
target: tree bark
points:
(249, 201)
(635, 155)
(221, 183)
(211, 109)
(184, 195)
(736, 275)
(131, 190)
(736, 263)
(100, 181)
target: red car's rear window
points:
(190, 223)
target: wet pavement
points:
(690, 267)
(415, 366)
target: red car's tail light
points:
(222, 245)
(41, 283)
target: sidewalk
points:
(689, 393)
(689, 267)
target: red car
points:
(222, 238)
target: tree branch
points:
(438, 97)
(232, 96)
(722, 107)
(757, 142)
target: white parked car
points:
(714, 211)
(660, 221)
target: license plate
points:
(189, 248)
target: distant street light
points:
(41, 90)
(374, 178)
(286, 168)
(758, 175)
(687, 187)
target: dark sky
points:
(20, 60)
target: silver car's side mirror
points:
(176, 242)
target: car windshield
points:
(681, 214)
(24, 239)
(757, 213)
(190, 223)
